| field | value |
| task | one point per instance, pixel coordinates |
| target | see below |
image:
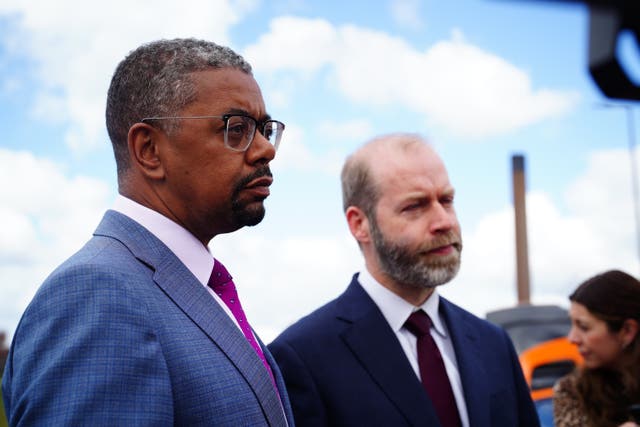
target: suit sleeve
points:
(306, 402)
(528, 416)
(85, 353)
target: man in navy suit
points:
(354, 362)
(127, 331)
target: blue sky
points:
(481, 79)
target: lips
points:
(445, 249)
(441, 251)
(259, 187)
(263, 181)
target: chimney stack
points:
(522, 252)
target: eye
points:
(267, 130)
(236, 128)
(583, 327)
(446, 200)
(412, 206)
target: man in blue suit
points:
(128, 331)
(359, 360)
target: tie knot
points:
(219, 276)
(418, 323)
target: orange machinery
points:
(544, 363)
(539, 335)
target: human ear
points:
(629, 331)
(358, 224)
(144, 152)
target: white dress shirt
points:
(396, 311)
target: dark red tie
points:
(222, 284)
(432, 371)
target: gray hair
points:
(154, 81)
(358, 184)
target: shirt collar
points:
(193, 254)
(395, 309)
(431, 306)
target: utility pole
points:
(635, 191)
(634, 175)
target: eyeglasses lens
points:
(240, 131)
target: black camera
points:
(607, 20)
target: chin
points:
(249, 216)
(592, 364)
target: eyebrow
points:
(246, 113)
(447, 192)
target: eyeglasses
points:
(239, 129)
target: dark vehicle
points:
(539, 334)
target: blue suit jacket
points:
(344, 366)
(122, 334)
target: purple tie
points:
(432, 371)
(222, 284)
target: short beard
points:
(251, 213)
(406, 266)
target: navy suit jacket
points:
(344, 366)
(123, 334)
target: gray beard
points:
(407, 267)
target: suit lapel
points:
(376, 346)
(472, 374)
(282, 387)
(179, 284)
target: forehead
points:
(221, 90)
(412, 168)
(579, 311)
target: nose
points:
(444, 218)
(261, 151)
(573, 336)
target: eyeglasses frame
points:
(259, 127)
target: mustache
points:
(450, 238)
(258, 173)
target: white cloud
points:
(478, 93)
(295, 154)
(605, 192)
(45, 217)
(16, 234)
(453, 83)
(352, 130)
(75, 57)
(292, 153)
(302, 45)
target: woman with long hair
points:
(605, 324)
